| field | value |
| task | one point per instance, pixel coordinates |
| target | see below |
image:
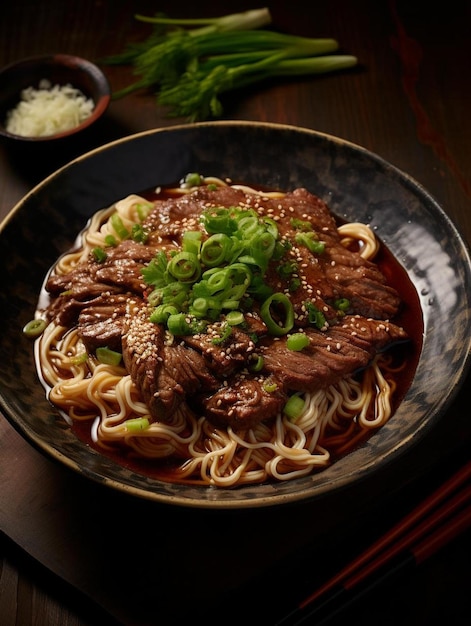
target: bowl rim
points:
(74, 63)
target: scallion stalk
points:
(191, 62)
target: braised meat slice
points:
(101, 322)
(223, 356)
(330, 356)
(244, 403)
(166, 375)
(84, 286)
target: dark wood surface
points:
(74, 553)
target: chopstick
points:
(417, 536)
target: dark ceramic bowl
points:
(357, 185)
(58, 69)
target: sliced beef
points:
(223, 356)
(85, 285)
(331, 355)
(244, 403)
(165, 374)
(101, 322)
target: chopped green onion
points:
(143, 210)
(258, 363)
(294, 408)
(286, 269)
(108, 357)
(219, 220)
(185, 267)
(175, 293)
(225, 334)
(137, 424)
(234, 318)
(300, 224)
(34, 328)
(162, 312)
(178, 324)
(271, 226)
(110, 240)
(259, 289)
(311, 242)
(99, 255)
(294, 284)
(297, 342)
(119, 227)
(138, 233)
(269, 386)
(275, 327)
(216, 250)
(191, 241)
(79, 359)
(261, 249)
(342, 304)
(192, 179)
(315, 316)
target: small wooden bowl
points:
(58, 69)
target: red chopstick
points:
(418, 535)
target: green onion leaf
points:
(155, 273)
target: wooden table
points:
(64, 556)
